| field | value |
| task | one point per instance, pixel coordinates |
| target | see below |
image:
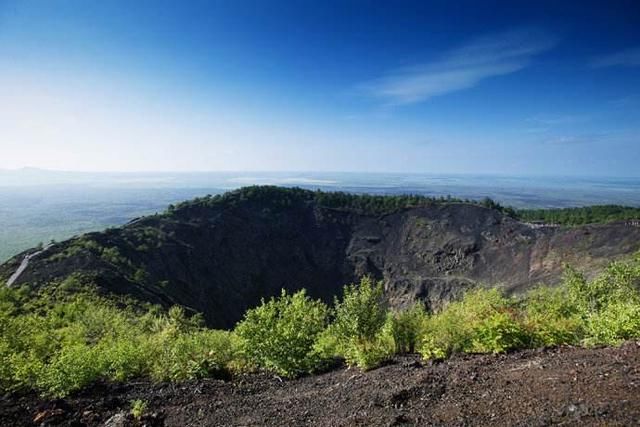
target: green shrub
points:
(112, 255)
(406, 327)
(64, 336)
(138, 408)
(192, 355)
(609, 305)
(496, 333)
(279, 335)
(618, 321)
(360, 332)
(72, 368)
(550, 318)
(57, 346)
(484, 321)
(123, 358)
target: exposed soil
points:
(567, 386)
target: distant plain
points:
(37, 206)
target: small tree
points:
(406, 327)
(280, 334)
(360, 332)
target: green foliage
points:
(57, 342)
(406, 327)
(141, 275)
(604, 310)
(273, 198)
(138, 408)
(195, 354)
(609, 305)
(580, 215)
(360, 332)
(484, 321)
(618, 321)
(76, 246)
(491, 204)
(551, 318)
(63, 346)
(113, 256)
(65, 336)
(279, 335)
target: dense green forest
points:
(580, 216)
(273, 196)
(379, 204)
(64, 336)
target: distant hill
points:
(220, 255)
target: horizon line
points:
(293, 171)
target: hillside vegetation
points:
(380, 204)
(365, 203)
(600, 214)
(65, 336)
(219, 255)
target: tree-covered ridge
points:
(274, 196)
(599, 214)
(281, 197)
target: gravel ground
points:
(567, 386)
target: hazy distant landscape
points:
(38, 205)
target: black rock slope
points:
(221, 255)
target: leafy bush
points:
(550, 318)
(64, 336)
(64, 346)
(279, 335)
(60, 345)
(605, 310)
(138, 408)
(360, 332)
(609, 305)
(112, 255)
(618, 321)
(72, 367)
(406, 327)
(484, 321)
(197, 354)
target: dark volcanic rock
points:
(221, 258)
(557, 386)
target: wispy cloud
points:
(461, 68)
(626, 58)
(574, 139)
(556, 120)
(594, 138)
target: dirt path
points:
(565, 386)
(24, 264)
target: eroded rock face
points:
(221, 260)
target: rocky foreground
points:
(568, 386)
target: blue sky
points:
(514, 87)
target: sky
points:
(512, 87)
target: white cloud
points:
(556, 120)
(461, 68)
(628, 58)
(574, 139)
(606, 137)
